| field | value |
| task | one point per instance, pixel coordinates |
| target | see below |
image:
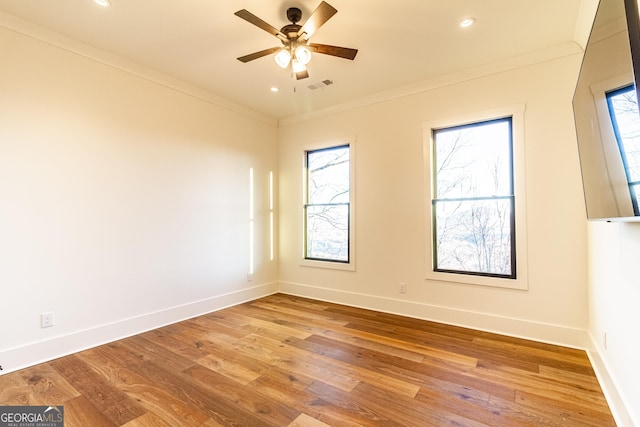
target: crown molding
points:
(37, 32)
(528, 59)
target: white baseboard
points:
(39, 352)
(617, 403)
(542, 332)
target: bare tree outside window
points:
(623, 108)
(473, 206)
(327, 204)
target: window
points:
(473, 199)
(623, 110)
(327, 205)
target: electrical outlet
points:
(249, 277)
(403, 288)
(47, 320)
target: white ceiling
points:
(400, 42)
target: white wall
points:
(123, 202)
(390, 220)
(614, 294)
(613, 248)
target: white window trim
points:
(351, 265)
(519, 179)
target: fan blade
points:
(302, 75)
(253, 19)
(319, 16)
(257, 55)
(341, 52)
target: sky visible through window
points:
(473, 161)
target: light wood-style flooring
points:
(289, 361)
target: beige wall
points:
(614, 294)
(390, 203)
(614, 250)
(124, 203)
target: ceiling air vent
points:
(321, 84)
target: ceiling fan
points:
(296, 48)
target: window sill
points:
(328, 265)
(469, 279)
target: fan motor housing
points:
(291, 30)
(294, 14)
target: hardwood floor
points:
(290, 361)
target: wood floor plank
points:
(542, 386)
(138, 349)
(287, 390)
(305, 420)
(80, 412)
(102, 394)
(316, 326)
(14, 390)
(48, 387)
(336, 362)
(148, 420)
(569, 363)
(219, 408)
(301, 362)
(248, 398)
(414, 373)
(414, 412)
(360, 409)
(115, 361)
(467, 403)
(332, 330)
(571, 379)
(459, 344)
(568, 411)
(168, 338)
(235, 371)
(310, 317)
(285, 360)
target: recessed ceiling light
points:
(274, 89)
(467, 22)
(103, 3)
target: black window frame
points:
(306, 205)
(511, 197)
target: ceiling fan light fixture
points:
(103, 3)
(282, 58)
(303, 54)
(295, 51)
(297, 66)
